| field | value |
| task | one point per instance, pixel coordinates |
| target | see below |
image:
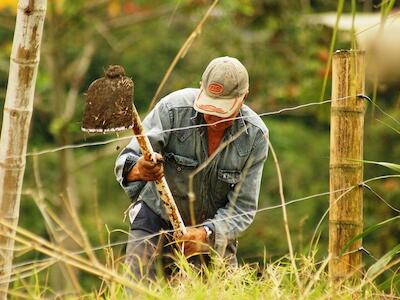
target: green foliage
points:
(286, 59)
(367, 232)
(377, 267)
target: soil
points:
(109, 102)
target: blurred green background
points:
(286, 58)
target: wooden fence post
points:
(346, 168)
(16, 121)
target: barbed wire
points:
(389, 126)
(381, 198)
(153, 132)
(171, 231)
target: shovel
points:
(108, 108)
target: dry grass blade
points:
(97, 217)
(48, 215)
(29, 271)
(27, 238)
(315, 278)
(20, 295)
(86, 244)
(39, 200)
(285, 217)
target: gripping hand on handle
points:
(147, 170)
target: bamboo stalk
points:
(346, 168)
(16, 120)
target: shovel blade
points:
(109, 104)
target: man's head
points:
(224, 86)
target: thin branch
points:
(182, 52)
(331, 47)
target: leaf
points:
(382, 262)
(394, 167)
(366, 232)
(390, 282)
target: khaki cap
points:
(225, 83)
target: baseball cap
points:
(224, 85)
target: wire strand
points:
(97, 248)
(99, 143)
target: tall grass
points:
(290, 277)
(270, 280)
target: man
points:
(226, 190)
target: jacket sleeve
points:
(157, 121)
(239, 212)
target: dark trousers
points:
(150, 252)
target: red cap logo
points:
(215, 88)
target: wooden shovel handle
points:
(161, 184)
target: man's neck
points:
(214, 139)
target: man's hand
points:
(195, 241)
(145, 170)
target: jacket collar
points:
(241, 144)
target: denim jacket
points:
(227, 210)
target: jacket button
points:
(178, 169)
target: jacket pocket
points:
(226, 181)
(182, 160)
(177, 170)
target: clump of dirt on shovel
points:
(109, 102)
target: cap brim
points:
(216, 106)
